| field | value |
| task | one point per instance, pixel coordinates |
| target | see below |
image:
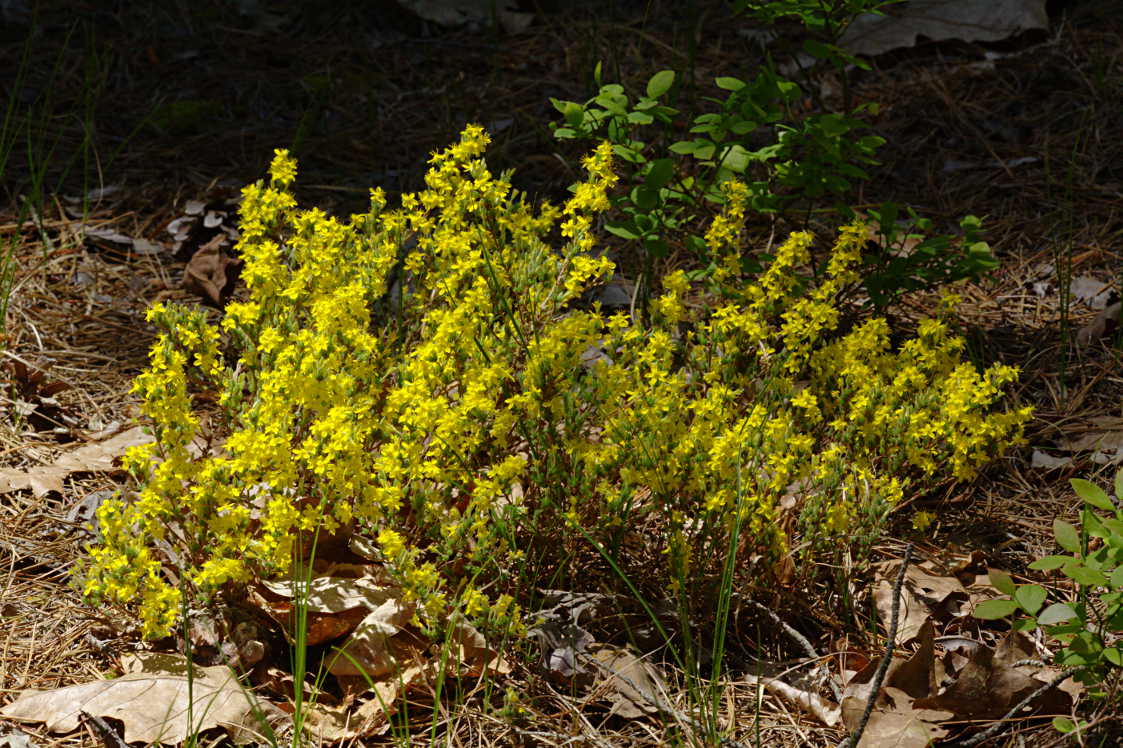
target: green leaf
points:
(1031, 597)
(1056, 613)
(660, 173)
(990, 610)
(1002, 581)
(1116, 578)
(1119, 484)
(1063, 725)
(645, 197)
(574, 114)
(736, 159)
(640, 118)
(597, 74)
(818, 50)
(660, 83)
(1081, 574)
(1092, 494)
(1114, 525)
(1048, 563)
(628, 154)
(1087, 642)
(742, 127)
(727, 83)
(1114, 655)
(612, 100)
(657, 246)
(624, 231)
(1066, 535)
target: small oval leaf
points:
(1002, 581)
(1056, 613)
(1066, 535)
(990, 610)
(660, 83)
(1081, 574)
(1092, 494)
(1049, 563)
(1031, 597)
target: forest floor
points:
(145, 110)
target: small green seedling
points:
(1087, 627)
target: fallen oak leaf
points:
(152, 706)
(940, 20)
(92, 457)
(986, 688)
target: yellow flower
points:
(922, 520)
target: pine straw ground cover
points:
(77, 315)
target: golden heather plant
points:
(396, 374)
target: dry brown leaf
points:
(152, 706)
(331, 594)
(986, 689)
(939, 20)
(1103, 434)
(857, 692)
(211, 273)
(334, 724)
(913, 612)
(1045, 461)
(630, 685)
(368, 651)
(1103, 324)
(916, 676)
(474, 654)
(1092, 292)
(91, 457)
(336, 605)
(902, 725)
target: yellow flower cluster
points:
(420, 376)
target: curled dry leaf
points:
(1102, 436)
(368, 650)
(1105, 323)
(474, 654)
(1045, 461)
(211, 273)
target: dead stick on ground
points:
(799, 639)
(855, 737)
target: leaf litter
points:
(952, 653)
(945, 680)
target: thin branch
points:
(875, 687)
